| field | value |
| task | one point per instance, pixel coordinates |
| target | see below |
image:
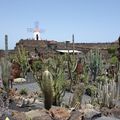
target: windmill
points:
(36, 31)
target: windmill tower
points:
(36, 32)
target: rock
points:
(19, 116)
(86, 99)
(76, 115)
(115, 112)
(87, 106)
(105, 111)
(38, 115)
(116, 103)
(106, 118)
(91, 114)
(59, 113)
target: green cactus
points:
(5, 73)
(57, 68)
(95, 63)
(22, 58)
(47, 88)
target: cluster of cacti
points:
(56, 66)
(57, 69)
(107, 93)
(94, 63)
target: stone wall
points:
(45, 46)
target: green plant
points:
(112, 50)
(5, 72)
(56, 67)
(23, 91)
(77, 95)
(21, 57)
(94, 63)
(37, 65)
(47, 88)
(101, 79)
(90, 90)
(113, 60)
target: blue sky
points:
(88, 20)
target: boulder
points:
(115, 112)
(91, 114)
(38, 115)
(107, 118)
(19, 116)
(59, 113)
(105, 111)
(76, 115)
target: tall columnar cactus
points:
(71, 67)
(5, 66)
(95, 63)
(47, 88)
(5, 73)
(22, 58)
(118, 87)
(107, 93)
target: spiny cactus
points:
(95, 63)
(57, 68)
(47, 88)
(5, 73)
(22, 58)
(77, 95)
(107, 93)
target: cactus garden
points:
(65, 86)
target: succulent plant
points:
(95, 63)
(5, 73)
(57, 68)
(47, 88)
(22, 59)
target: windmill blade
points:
(30, 29)
(36, 24)
(42, 30)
